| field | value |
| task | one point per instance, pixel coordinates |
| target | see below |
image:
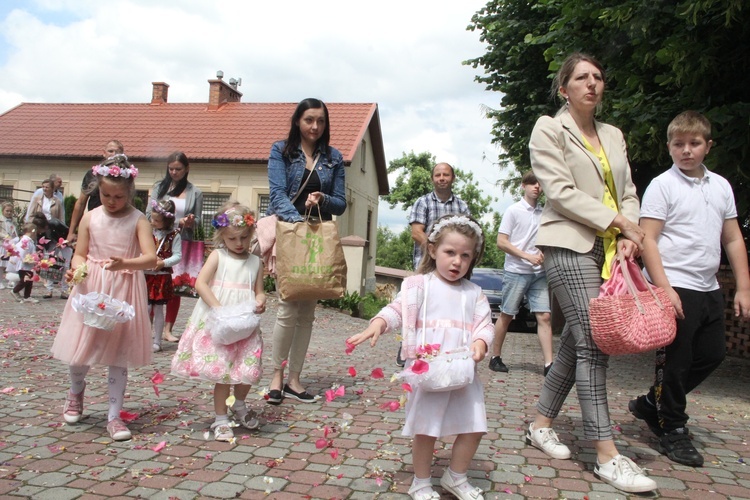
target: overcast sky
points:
(404, 55)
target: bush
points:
(269, 284)
(349, 302)
(372, 304)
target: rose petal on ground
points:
(377, 373)
(159, 446)
(352, 371)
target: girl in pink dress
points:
(230, 276)
(454, 246)
(115, 244)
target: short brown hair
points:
(566, 70)
(690, 122)
(529, 178)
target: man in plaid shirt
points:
(434, 205)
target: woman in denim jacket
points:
(306, 170)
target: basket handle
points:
(631, 285)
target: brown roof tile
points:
(234, 132)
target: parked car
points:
(491, 281)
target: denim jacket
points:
(285, 179)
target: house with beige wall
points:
(227, 142)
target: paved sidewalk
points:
(363, 457)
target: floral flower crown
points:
(226, 219)
(456, 220)
(113, 170)
(157, 208)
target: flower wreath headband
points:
(226, 219)
(157, 208)
(113, 170)
(456, 220)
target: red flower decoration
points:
(101, 306)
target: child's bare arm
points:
(202, 282)
(260, 293)
(652, 260)
(734, 246)
(373, 331)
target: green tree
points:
(394, 250)
(661, 57)
(413, 180)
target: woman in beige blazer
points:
(46, 202)
(591, 213)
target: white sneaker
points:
(624, 475)
(31, 300)
(546, 440)
(16, 296)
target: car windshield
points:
(488, 281)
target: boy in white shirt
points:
(523, 274)
(688, 213)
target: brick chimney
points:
(159, 94)
(221, 93)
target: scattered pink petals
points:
(507, 490)
(157, 378)
(406, 387)
(334, 453)
(350, 347)
(339, 476)
(8, 390)
(321, 443)
(391, 405)
(377, 373)
(352, 371)
(379, 481)
(159, 446)
(326, 431)
(332, 394)
(127, 417)
(527, 478)
(420, 367)
(284, 363)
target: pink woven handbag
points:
(631, 315)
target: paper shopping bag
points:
(310, 263)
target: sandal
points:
(170, 338)
(454, 487)
(423, 493)
(222, 432)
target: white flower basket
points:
(101, 310)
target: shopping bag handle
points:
(625, 269)
(309, 213)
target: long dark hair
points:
(167, 180)
(295, 136)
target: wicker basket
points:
(633, 318)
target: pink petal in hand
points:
(349, 348)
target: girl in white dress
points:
(454, 246)
(231, 275)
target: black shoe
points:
(497, 365)
(399, 361)
(678, 447)
(643, 410)
(303, 396)
(274, 397)
(548, 368)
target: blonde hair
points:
(29, 227)
(428, 265)
(689, 122)
(232, 208)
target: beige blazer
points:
(36, 204)
(573, 180)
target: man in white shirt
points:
(523, 274)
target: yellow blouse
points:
(609, 199)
